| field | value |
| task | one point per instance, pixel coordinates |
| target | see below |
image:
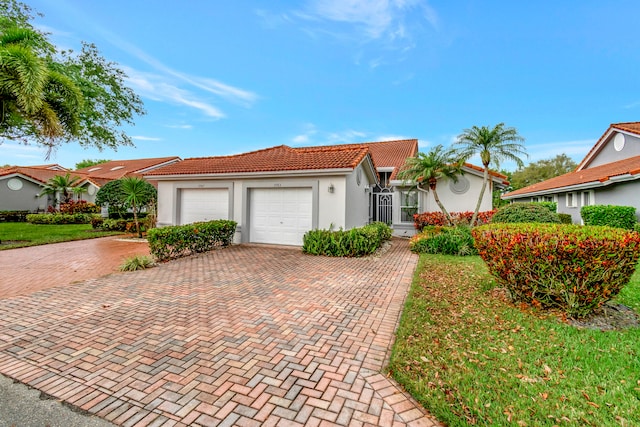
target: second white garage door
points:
(280, 215)
(203, 204)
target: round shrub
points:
(570, 267)
(444, 240)
(524, 212)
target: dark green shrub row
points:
(346, 243)
(58, 218)
(565, 218)
(612, 216)
(444, 240)
(525, 212)
(552, 206)
(570, 267)
(181, 240)
(13, 216)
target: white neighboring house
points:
(608, 175)
(279, 193)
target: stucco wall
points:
(608, 153)
(357, 199)
(461, 201)
(21, 200)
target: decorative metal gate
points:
(382, 205)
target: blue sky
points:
(224, 77)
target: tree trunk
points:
(444, 211)
(135, 219)
(485, 179)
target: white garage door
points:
(280, 215)
(203, 204)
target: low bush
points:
(80, 206)
(115, 224)
(59, 218)
(565, 218)
(569, 267)
(355, 242)
(96, 222)
(426, 219)
(137, 262)
(552, 206)
(444, 240)
(636, 227)
(612, 216)
(524, 212)
(181, 240)
(13, 216)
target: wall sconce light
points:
(367, 188)
(331, 188)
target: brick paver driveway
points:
(249, 335)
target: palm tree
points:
(431, 167)
(35, 99)
(136, 191)
(65, 185)
(494, 146)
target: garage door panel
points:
(280, 215)
(203, 204)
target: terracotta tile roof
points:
(631, 127)
(494, 174)
(116, 169)
(596, 176)
(274, 159)
(37, 173)
(387, 154)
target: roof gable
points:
(274, 159)
(116, 169)
(37, 173)
(632, 128)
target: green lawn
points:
(26, 234)
(471, 358)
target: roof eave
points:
(576, 187)
(268, 174)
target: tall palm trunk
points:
(135, 219)
(432, 187)
(485, 179)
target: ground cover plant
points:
(356, 242)
(472, 358)
(444, 240)
(20, 234)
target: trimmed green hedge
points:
(552, 206)
(565, 218)
(612, 216)
(444, 240)
(58, 218)
(570, 267)
(181, 240)
(355, 242)
(525, 212)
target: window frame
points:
(403, 207)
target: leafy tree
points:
(493, 145)
(89, 162)
(65, 185)
(136, 191)
(113, 195)
(50, 97)
(427, 169)
(542, 170)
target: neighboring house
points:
(608, 175)
(20, 187)
(277, 194)
(100, 174)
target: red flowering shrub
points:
(459, 218)
(570, 267)
(81, 206)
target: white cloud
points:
(146, 138)
(632, 105)
(14, 153)
(179, 126)
(392, 138)
(575, 149)
(349, 136)
(311, 135)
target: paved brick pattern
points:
(248, 336)
(31, 269)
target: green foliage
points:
(541, 171)
(612, 216)
(573, 268)
(181, 240)
(13, 216)
(80, 206)
(444, 240)
(636, 227)
(552, 206)
(565, 218)
(136, 191)
(137, 262)
(59, 218)
(66, 185)
(524, 212)
(355, 242)
(114, 195)
(51, 97)
(96, 222)
(457, 218)
(90, 162)
(26, 234)
(114, 224)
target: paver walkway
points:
(249, 335)
(31, 269)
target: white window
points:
(408, 205)
(572, 201)
(587, 198)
